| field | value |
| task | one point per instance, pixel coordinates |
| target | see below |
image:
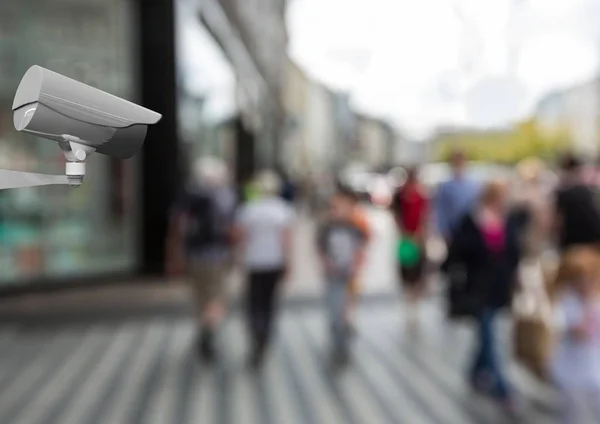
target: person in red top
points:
(411, 211)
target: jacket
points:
(479, 279)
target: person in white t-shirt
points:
(263, 232)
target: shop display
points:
(50, 232)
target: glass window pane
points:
(58, 231)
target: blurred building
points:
(410, 152)
(214, 70)
(206, 90)
(253, 37)
(320, 128)
(345, 128)
(321, 125)
(52, 232)
(577, 111)
(376, 142)
(296, 154)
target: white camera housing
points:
(81, 118)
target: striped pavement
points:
(146, 371)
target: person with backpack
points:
(263, 231)
(200, 243)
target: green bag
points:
(408, 252)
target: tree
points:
(526, 139)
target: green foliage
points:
(524, 140)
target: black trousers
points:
(261, 300)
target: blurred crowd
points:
(528, 245)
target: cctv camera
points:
(49, 105)
(82, 119)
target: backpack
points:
(203, 228)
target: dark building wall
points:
(245, 163)
(160, 155)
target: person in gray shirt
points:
(341, 244)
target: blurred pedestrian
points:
(200, 242)
(361, 220)
(410, 209)
(591, 173)
(454, 198)
(486, 247)
(264, 231)
(341, 245)
(288, 188)
(576, 360)
(531, 197)
(577, 211)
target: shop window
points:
(55, 232)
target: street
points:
(144, 369)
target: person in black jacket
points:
(486, 250)
(577, 208)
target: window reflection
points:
(51, 232)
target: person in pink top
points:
(486, 249)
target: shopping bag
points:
(532, 310)
(533, 343)
(408, 252)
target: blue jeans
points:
(337, 298)
(486, 371)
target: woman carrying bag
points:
(532, 305)
(486, 251)
(410, 209)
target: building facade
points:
(49, 233)
(321, 125)
(575, 110)
(114, 227)
(206, 89)
(252, 35)
(376, 142)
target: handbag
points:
(408, 252)
(532, 310)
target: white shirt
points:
(264, 222)
(576, 364)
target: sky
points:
(429, 63)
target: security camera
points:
(80, 118)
